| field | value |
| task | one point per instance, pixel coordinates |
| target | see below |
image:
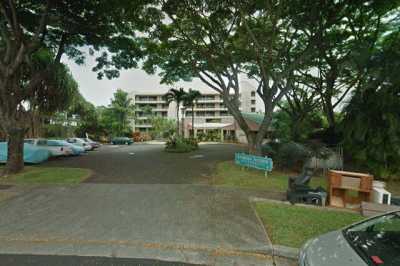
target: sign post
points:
(253, 161)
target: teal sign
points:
(253, 161)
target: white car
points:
(80, 142)
(54, 150)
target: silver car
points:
(372, 242)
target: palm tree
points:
(123, 109)
(178, 96)
(190, 99)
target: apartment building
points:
(211, 114)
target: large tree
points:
(371, 124)
(60, 26)
(348, 33)
(217, 41)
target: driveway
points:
(149, 164)
(140, 203)
(187, 223)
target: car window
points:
(42, 142)
(377, 239)
(29, 141)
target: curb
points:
(324, 208)
(286, 252)
(276, 250)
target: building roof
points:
(254, 117)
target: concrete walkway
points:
(188, 223)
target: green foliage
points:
(162, 127)
(209, 136)
(122, 110)
(292, 155)
(296, 127)
(105, 122)
(177, 96)
(181, 145)
(371, 125)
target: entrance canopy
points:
(225, 126)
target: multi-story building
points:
(211, 114)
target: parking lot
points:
(149, 164)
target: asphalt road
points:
(149, 164)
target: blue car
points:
(32, 154)
(76, 150)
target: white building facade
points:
(211, 116)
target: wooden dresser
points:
(348, 189)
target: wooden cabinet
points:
(349, 188)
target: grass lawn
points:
(48, 175)
(229, 174)
(292, 226)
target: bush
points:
(292, 155)
(181, 145)
(267, 150)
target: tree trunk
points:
(330, 113)
(177, 120)
(15, 152)
(252, 143)
(193, 120)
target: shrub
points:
(267, 150)
(181, 145)
(292, 155)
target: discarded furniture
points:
(395, 201)
(349, 189)
(299, 190)
(380, 194)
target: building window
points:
(253, 110)
(213, 120)
(253, 93)
(210, 113)
(253, 101)
(224, 113)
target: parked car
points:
(80, 142)
(372, 242)
(32, 154)
(93, 143)
(55, 149)
(121, 141)
(76, 150)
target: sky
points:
(99, 92)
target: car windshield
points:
(377, 240)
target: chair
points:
(299, 190)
